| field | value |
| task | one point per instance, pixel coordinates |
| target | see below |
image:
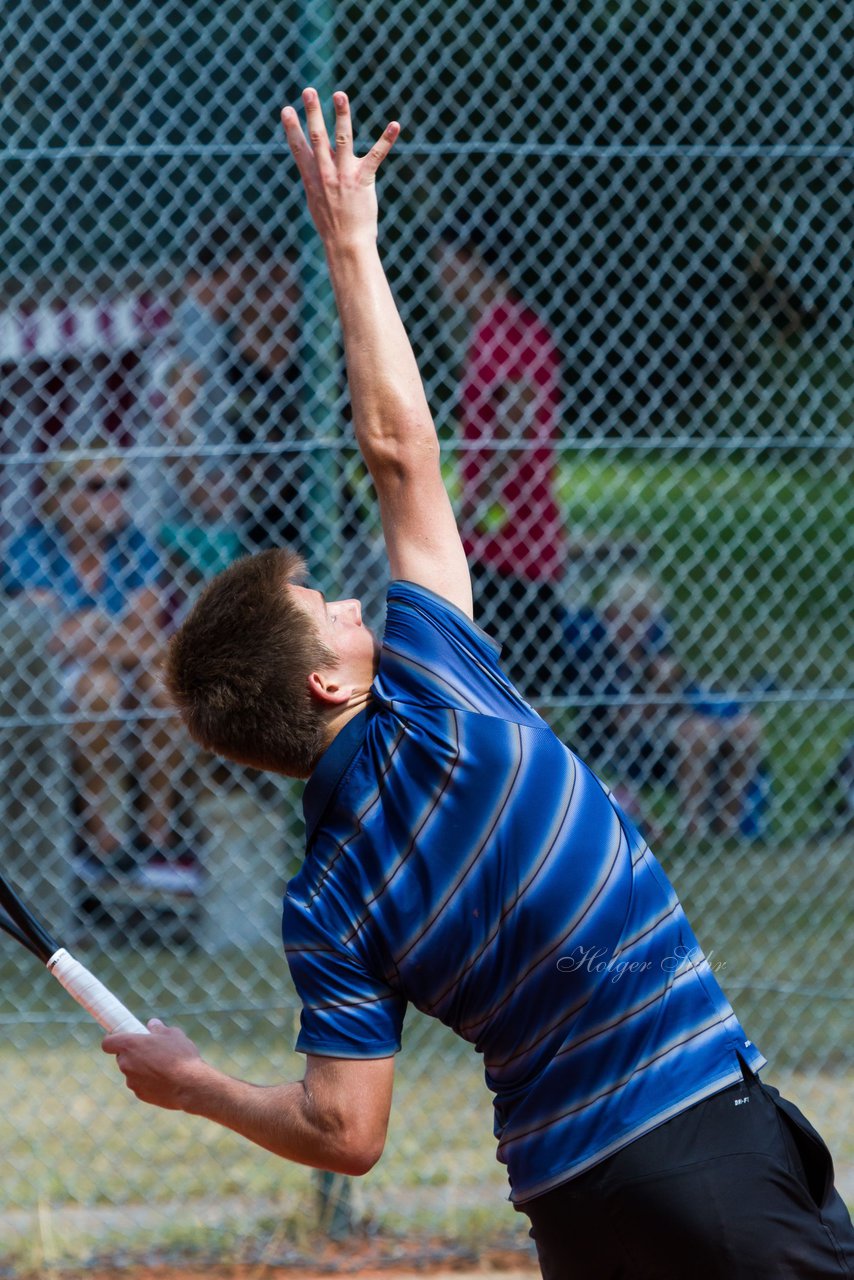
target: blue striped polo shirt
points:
(461, 858)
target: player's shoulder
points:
(435, 655)
(412, 608)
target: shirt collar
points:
(330, 769)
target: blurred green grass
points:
(752, 547)
(117, 1177)
(753, 554)
(776, 922)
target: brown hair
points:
(237, 669)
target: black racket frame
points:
(20, 923)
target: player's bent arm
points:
(335, 1118)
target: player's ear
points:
(324, 686)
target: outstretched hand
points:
(340, 187)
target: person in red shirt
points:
(510, 403)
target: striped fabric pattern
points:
(459, 857)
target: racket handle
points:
(85, 988)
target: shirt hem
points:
(567, 1175)
(338, 1049)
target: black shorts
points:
(739, 1187)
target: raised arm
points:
(392, 420)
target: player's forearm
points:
(285, 1119)
(391, 417)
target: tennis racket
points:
(19, 922)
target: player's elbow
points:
(351, 1139)
(356, 1152)
(360, 1159)
(365, 1139)
(395, 456)
(347, 1104)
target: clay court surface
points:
(359, 1260)
(378, 1258)
(159, 1273)
(277, 1273)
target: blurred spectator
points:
(97, 580)
(707, 746)
(771, 291)
(509, 402)
(234, 384)
(76, 364)
(265, 375)
(838, 795)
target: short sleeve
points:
(347, 1012)
(433, 655)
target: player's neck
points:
(341, 716)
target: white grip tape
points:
(92, 994)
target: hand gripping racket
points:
(22, 925)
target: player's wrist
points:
(198, 1088)
(350, 248)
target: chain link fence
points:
(620, 235)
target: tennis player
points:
(460, 858)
